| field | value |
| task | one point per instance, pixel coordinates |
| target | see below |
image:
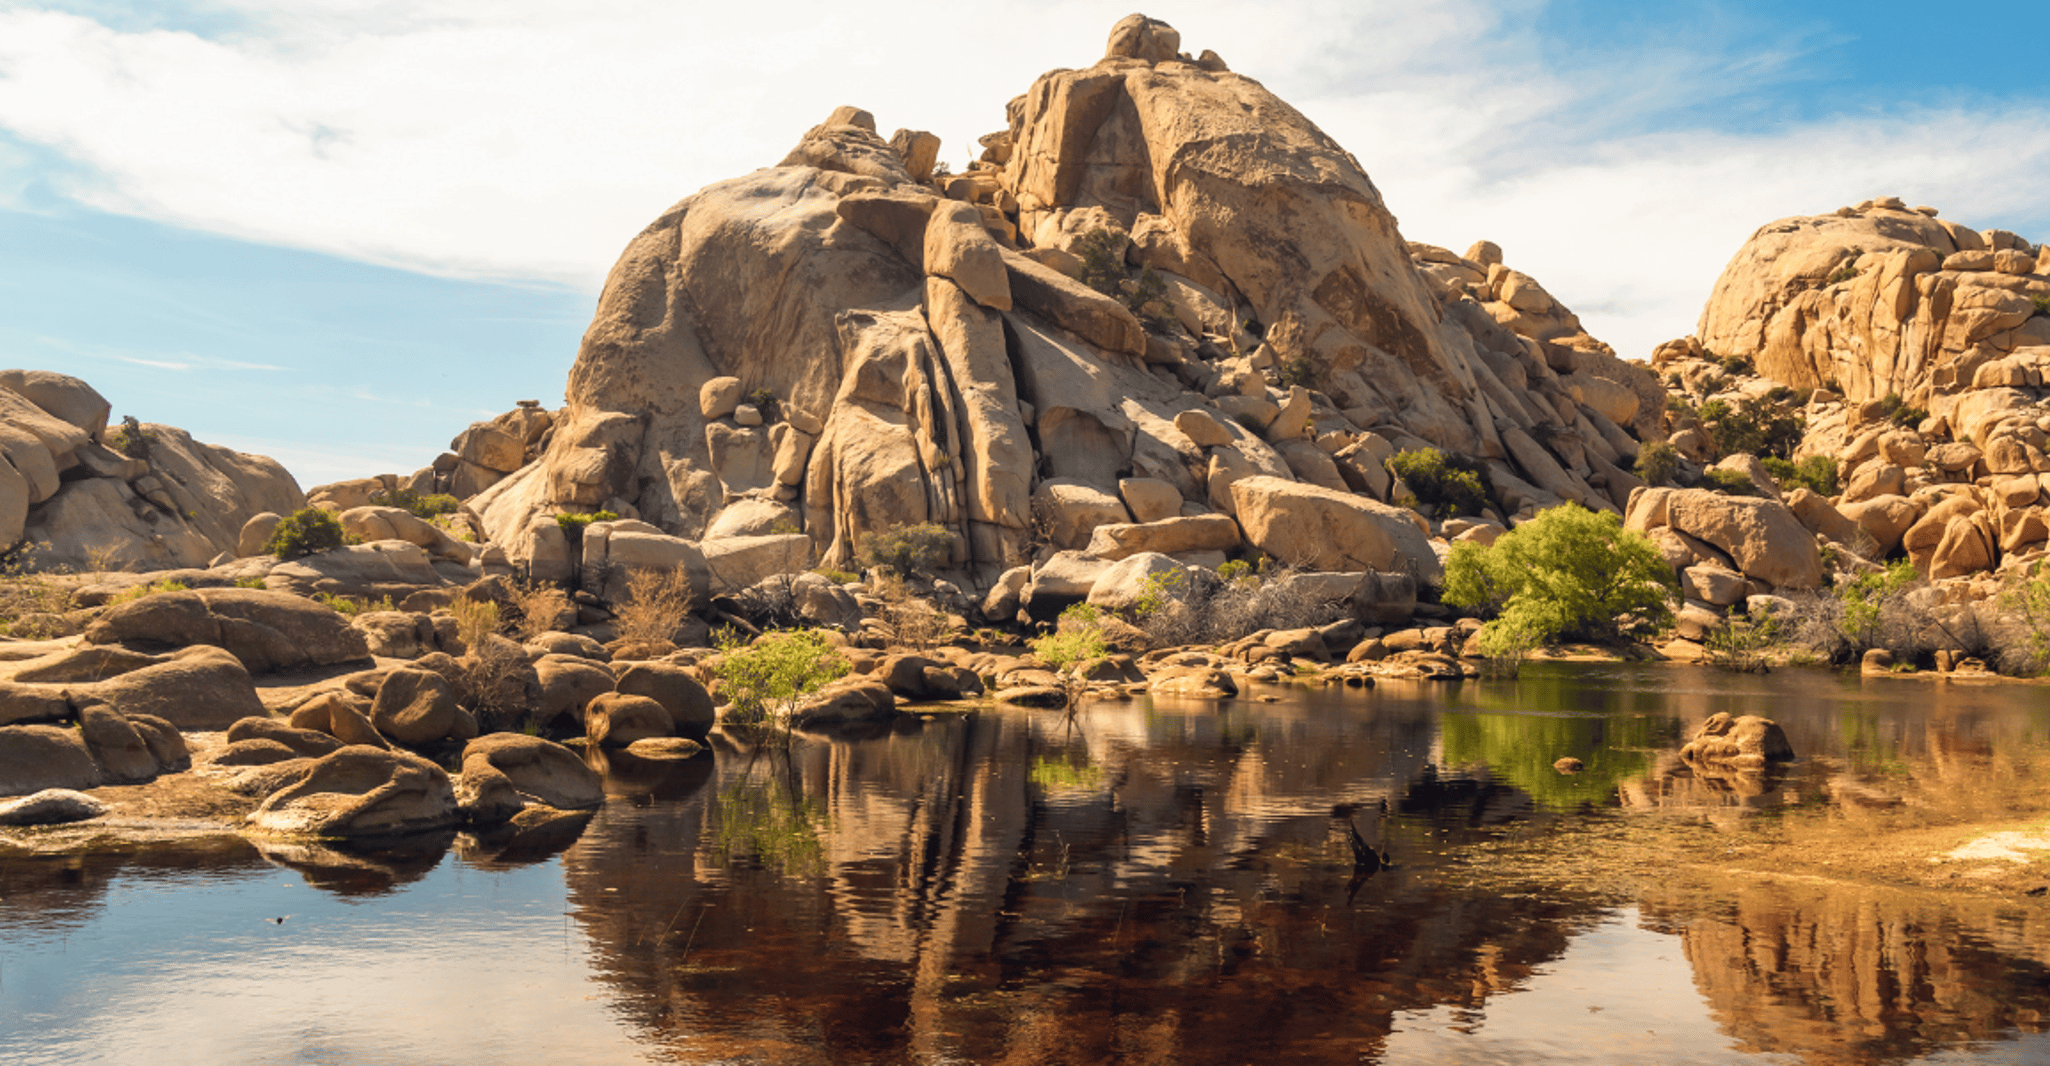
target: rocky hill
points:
(1909, 353)
(1158, 280)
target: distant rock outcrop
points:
(139, 496)
(842, 344)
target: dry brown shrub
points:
(537, 609)
(475, 620)
(657, 604)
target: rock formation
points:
(1921, 349)
(139, 496)
(847, 342)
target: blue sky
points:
(337, 231)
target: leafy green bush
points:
(2042, 305)
(1103, 268)
(1753, 426)
(576, 522)
(765, 679)
(1449, 484)
(428, 505)
(1843, 273)
(305, 532)
(1566, 574)
(1733, 482)
(906, 550)
(1657, 462)
(1865, 601)
(1817, 473)
(837, 577)
(1076, 639)
(139, 591)
(1736, 365)
(1103, 260)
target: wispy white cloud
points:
(195, 362)
(527, 139)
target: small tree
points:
(906, 550)
(1566, 574)
(764, 680)
(1657, 462)
(1447, 483)
(310, 530)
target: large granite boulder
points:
(267, 631)
(1320, 529)
(502, 773)
(362, 792)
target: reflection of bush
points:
(770, 826)
(1520, 749)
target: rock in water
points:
(1744, 743)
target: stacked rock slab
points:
(839, 345)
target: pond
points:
(1150, 881)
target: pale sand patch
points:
(2011, 846)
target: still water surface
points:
(1147, 882)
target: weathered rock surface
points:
(505, 772)
(362, 792)
(266, 631)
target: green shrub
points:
(837, 577)
(249, 583)
(131, 440)
(1736, 365)
(1076, 639)
(2042, 305)
(1566, 574)
(576, 522)
(1657, 462)
(139, 591)
(305, 532)
(1896, 410)
(1103, 260)
(1236, 569)
(1733, 482)
(763, 680)
(1865, 601)
(1753, 426)
(1843, 273)
(1817, 473)
(906, 550)
(1103, 268)
(428, 506)
(1448, 484)
(1296, 370)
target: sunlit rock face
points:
(869, 344)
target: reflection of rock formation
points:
(57, 892)
(1842, 975)
(352, 870)
(1186, 893)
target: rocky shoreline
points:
(1157, 378)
